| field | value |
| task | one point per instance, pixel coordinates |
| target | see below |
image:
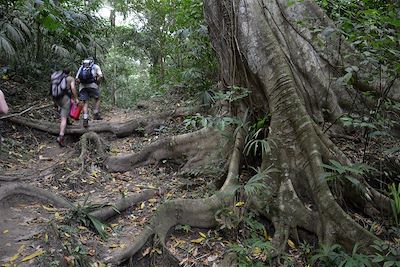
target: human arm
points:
(99, 74)
(74, 91)
(3, 104)
(77, 75)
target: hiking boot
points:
(85, 123)
(97, 116)
(60, 141)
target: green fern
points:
(395, 202)
(257, 182)
(6, 46)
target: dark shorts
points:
(86, 93)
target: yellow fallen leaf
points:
(198, 240)
(291, 244)
(67, 235)
(57, 216)
(49, 208)
(256, 251)
(266, 236)
(80, 227)
(142, 205)
(239, 204)
(21, 248)
(46, 237)
(113, 225)
(38, 253)
(202, 234)
(5, 231)
(13, 258)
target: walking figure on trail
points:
(88, 77)
(62, 86)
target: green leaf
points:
(388, 263)
(50, 23)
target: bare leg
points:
(96, 110)
(97, 106)
(63, 124)
(85, 110)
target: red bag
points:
(75, 110)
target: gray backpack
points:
(58, 84)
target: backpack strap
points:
(79, 72)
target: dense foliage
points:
(36, 36)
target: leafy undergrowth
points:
(57, 237)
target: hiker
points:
(88, 77)
(63, 84)
(3, 104)
(3, 110)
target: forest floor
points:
(34, 233)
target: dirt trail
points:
(27, 227)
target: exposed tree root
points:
(191, 145)
(104, 213)
(119, 129)
(17, 189)
(91, 142)
(113, 209)
(197, 213)
(12, 178)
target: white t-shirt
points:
(96, 71)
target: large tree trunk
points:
(261, 47)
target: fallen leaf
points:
(58, 216)
(45, 158)
(49, 208)
(198, 240)
(5, 231)
(212, 258)
(239, 204)
(38, 253)
(291, 244)
(147, 251)
(142, 205)
(202, 234)
(13, 258)
(70, 260)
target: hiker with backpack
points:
(62, 86)
(88, 77)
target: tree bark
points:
(261, 47)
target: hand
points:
(76, 100)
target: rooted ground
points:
(27, 227)
(34, 233)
